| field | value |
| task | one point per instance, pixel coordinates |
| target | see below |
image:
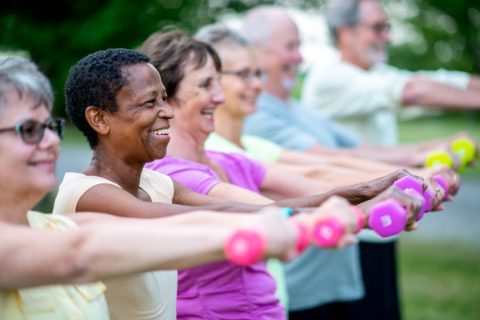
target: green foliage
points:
(444, 35)
(55, 39)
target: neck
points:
(184, 145)
(229, 127)
(353, 59)
(15, 205)
(115, 169)
(276, 90)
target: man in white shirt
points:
(362, 92)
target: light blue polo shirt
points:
(318, 276)
(294, 126)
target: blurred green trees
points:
(57, 33)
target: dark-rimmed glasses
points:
(379, 27)
(247, 75)
(31, 131)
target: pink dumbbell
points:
(245, 247)
(327, 232)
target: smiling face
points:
(139, 130)
(198, 95)
(241, 81)
(368, 39)
(280, 57)
(26, 169)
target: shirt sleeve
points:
(197, 178)
(278, 131)
(261, 149)
(346, 91)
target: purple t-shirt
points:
(222, 290)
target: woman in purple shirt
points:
(190, 71)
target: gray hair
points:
(341, 13)
(218, 35)
(24, 76)
(259, 22)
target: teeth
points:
(161, 132)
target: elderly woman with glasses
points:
(92, 246)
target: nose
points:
(50, 139)
(297, 56)
(166, 111)
(256, 82)
(218, 97)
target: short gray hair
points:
(341, 13)
(218, 35)
(259, 22)
(24, 76)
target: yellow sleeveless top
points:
(56, 302)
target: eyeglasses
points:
(379, 27)
(247, 75)
(32, 131)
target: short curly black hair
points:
(95, 81)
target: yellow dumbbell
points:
(439, 158)
(465, 150)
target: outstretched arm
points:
(106, 246)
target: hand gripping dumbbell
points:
(414, 187)
(463, 148)
(389, 218)
(245, 247)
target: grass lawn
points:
(439, 281)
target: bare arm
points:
(429, 93)
(113, 200)
(106, 246)
(355, 194)
(101, 250)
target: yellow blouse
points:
(54, 302)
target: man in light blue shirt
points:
(322, 284)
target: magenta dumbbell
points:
(442, 184)
(415, 188)
(327, 232)
(387, 218)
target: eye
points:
(150, 103)
(206, 84)
(165, 99)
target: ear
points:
(344, 35)
(97, 120)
